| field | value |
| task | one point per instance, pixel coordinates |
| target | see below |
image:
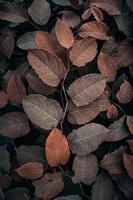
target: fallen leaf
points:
(112, 112)
(3, 99)
(49, 67)
(97, 13)
(85, 168)
(52, 185)
(83, 51)
(5, 181)
(5, 164)
(57, 148)
(130, 142)
(27, 41)
(86, 89)
(64, 34)
(70, 18)
(130, 123)
(86, 14)
(69, 197)
(128, 163)
(17, 193)
(42, 111)
(86, 139)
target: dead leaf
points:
(97, 13)
(94, 29)
(86, 14)
(27, 41)
(86, 89)
(30, 170)
(15, 89)
(3, 99)
(14, 124)
(52, 185)
(42, 111)
(130, 142)
(128, 163)
(85, 168)
(130, 123)
(83, 51)
(69, 197)
(48, 67)
(87, 138)
(112, 112)
(57, 148)
(64, 34)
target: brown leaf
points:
(87, 138)
(40, 11)
(83, 51)
(94, 29)
(14, 124)
(128, 163)
(125, 93)
(130, 123)
(112, 7)
(30, 170)
(113, 162)
(86, 14)
(49, 186)
(57, 148)
(130, 142)
(85, 168)
(97, 13)
(86, 89)
(42, 111)
(3, 99)
(64, 34)
(107, 66)
(70, 18)
(45, 41)
(15, 89)
(117, 130)
(48, 67)
(112, 112)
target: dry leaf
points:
(83, 51)
(87, 13)
(112, 112)
(3, 99)
(15, 89)
(86, 89)
(130, 142)
(30, 170)
(85, 168)
(40, 11)
(48, 67)
(128, 163)
(49, 186)
(70, 18)
(27, 41)
(64, 34)
(113, 162)
(57, 148)
(42, 111)
(112, 7)
(94, 29)
(125, 93)
(130, 123)
(97, 13)
(69, 197)
(14, 124)
(107, 66)
(46, 42)
(86, 139)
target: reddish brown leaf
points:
(94, 29)
(3, 99)
(87, 13)
(130, 142)
(57, 148)
(97, 13)
(112, 112)
(70, 18)
(130, 123)
(128, 163)
(64, 34)
(30, 170)
(15, 89)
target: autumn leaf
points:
(27, 41)
(112, 112)
(130, 123)
(128, 163)
(3, 99)
(97, 13)
(70, 18)
(57, 148)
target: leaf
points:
(85, 168)
(3, 99)
(83, 51)
(17, 193)
(57, 148)
(86, 139)
(46, 42)
(64, 34)
(40, 11)
(31, 170)
(130, 123)
(103, 188)
(97, 13)
(130, 142)
(27, 41)
(14, 124)
(117, 131)
(125, 93)
(5, 181)
(42, 111)
(112, 7)
(61, 2)
(84, 114)
(15, 89)
(107, 66)
(112, 112)
(128, 163)
(49, 67)
(86, 89)
(69, 197)
(30, 154)
(94, 29)
(52, 185)
(113, 162)
(86, 14)
(5, 164)
(12, 12)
